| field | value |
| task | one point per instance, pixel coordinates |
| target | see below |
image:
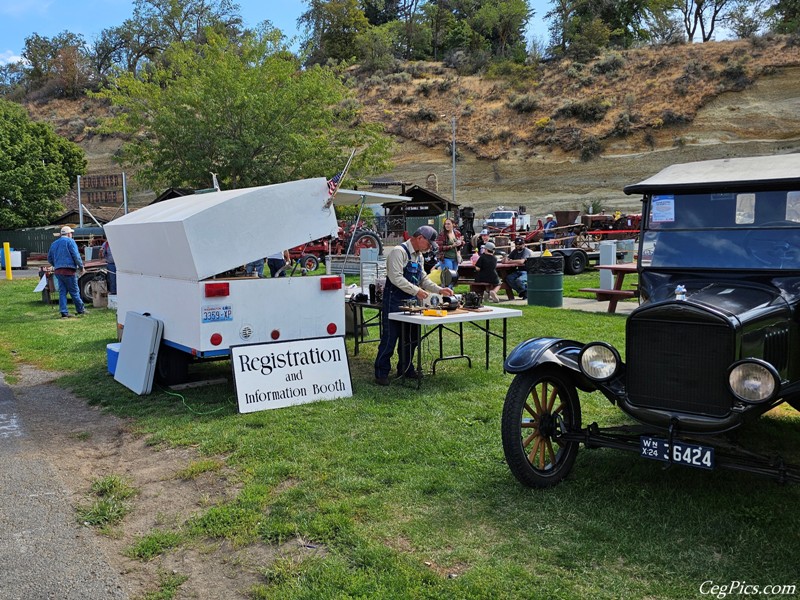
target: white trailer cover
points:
(198, 236)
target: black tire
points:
(308, 262)
(575, 263)
(172, 366)
(366, 239)
(85, 285)
(540, 405)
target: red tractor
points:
(313, 253)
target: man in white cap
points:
(549, 227)
(405, 279)
(67, 264)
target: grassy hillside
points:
(561, 134)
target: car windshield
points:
(754, 230)
(501, 215)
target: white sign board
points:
(282, 374)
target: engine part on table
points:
(472, 300)
(410, 304)
(451, 302)
(360, 298)
(432, 301)
(449, 277)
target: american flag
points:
(333, 183)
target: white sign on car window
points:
(663, 209)
(282, 374)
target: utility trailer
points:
(174, 259)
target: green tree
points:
(376, 47)
(58, 65)
(36, 169)
(702, 14)
(786, 16)
(332, 28)
(248, 112)
(746, 18)
(156, 24)
(503, 23)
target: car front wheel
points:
(540, 406)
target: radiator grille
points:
(679, 366)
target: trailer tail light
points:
(331, 328)
(215, 290)
(216, 339)
(275, 334)
(330, 283)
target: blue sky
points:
(21, 18)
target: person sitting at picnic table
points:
(480, 240)
(518, 280)
(486, 271)
(549, 227)
(450, 242)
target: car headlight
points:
(599, 361)
(753, 380)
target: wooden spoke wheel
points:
(540, 406)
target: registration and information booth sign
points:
(279, 374)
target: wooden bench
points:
(612, 296)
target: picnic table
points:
(466, 275)
(617, 293)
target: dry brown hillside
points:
(562, 134)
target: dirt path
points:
(72, 445)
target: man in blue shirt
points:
(549, 227)
(67, 263)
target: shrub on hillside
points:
(397, 78)
(424, 114)
(609, 63)
(524, 103)
(590, 147)
(591, 110)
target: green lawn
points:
(408, 490)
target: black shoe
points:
(66, 316)
(410, 375)
(80, 314)
(382, 381)
(523, 296)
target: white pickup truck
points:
(503, 220)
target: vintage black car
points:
(714, 341)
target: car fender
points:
(537, 351)
(558, 352)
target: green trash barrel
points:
(545, 281)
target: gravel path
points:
(44, 552)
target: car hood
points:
(732, 300)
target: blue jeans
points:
(392, 301)
(450, 263)
(518, 280)
(111, 277)
(275, 265)
(257, 267)
(69, 283)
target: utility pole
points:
(453, 152)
